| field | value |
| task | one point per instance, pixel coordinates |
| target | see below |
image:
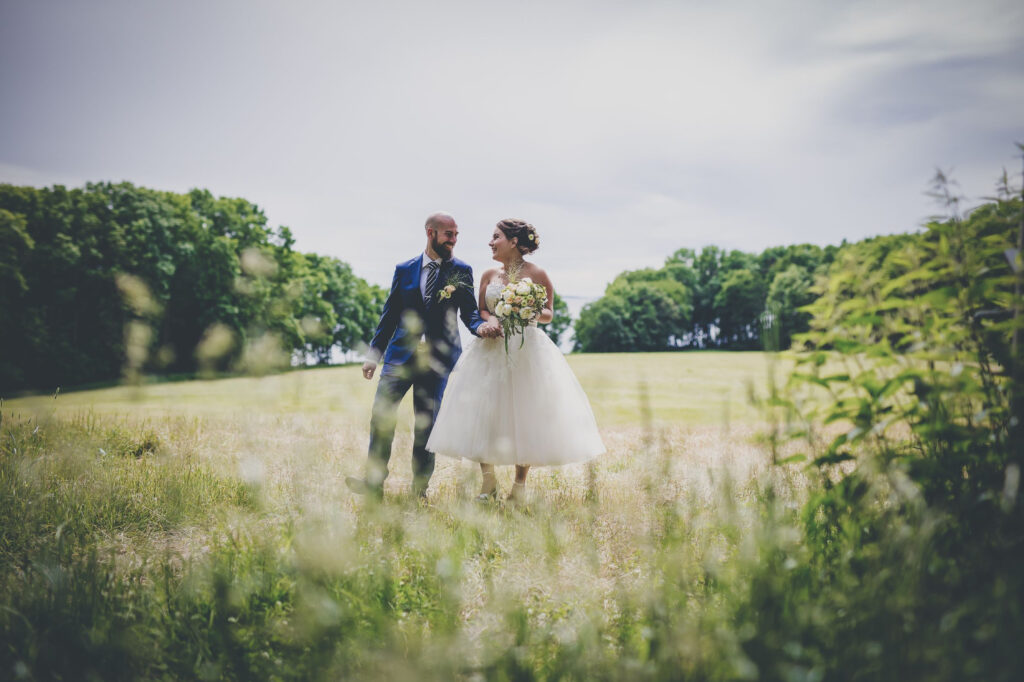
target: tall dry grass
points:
(147, 535)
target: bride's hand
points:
(489, 329)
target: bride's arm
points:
(548, 312)
(485, 279)
(490, 328)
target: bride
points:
(517, 404)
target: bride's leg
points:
(489, 482)
(518, 492)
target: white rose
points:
(523, 288)
(529, 313)
(526, 279)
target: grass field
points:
(696, 388)
(202, 529)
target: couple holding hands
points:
(507, 401)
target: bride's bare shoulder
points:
(488, 276)
(535, 272)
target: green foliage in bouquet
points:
(519, 305)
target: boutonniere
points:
(455, 281)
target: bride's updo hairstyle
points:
(526, 235)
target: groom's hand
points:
(489, 329)
(369, 368)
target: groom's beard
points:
(442, 250)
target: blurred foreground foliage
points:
(916, 529)
(114, 279)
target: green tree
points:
(340, 310)
(560, 321)
(661, 279)
(15, 247)
(85, 271)
(740, 304)
(701, 274)
(634, 317)
(15, 243)
(603, 326)
(790, 290)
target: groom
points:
(418, 337)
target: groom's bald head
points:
(440, 220)
(442, 233)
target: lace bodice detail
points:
(492, 294)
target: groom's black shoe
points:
(361, 487)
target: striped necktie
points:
(431, 288)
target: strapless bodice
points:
(492, 295)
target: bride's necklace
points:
(512, 270)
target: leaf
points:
(833, 458)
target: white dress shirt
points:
(424, 272)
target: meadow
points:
(202, 528)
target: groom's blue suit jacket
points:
(406, 317)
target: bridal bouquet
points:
(519, 304)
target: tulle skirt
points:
(525, 407)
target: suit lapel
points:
(442, 271)
(416, 270)
(442, 275)
(417, 274)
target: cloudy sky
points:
(621, 130)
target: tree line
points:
(705, 299)
(721, 299)
(111, 278)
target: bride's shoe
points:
(517, 495)
(487, 498)
(490, 495)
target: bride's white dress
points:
(525, 407)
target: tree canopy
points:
(111, 277)
(707, 299)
